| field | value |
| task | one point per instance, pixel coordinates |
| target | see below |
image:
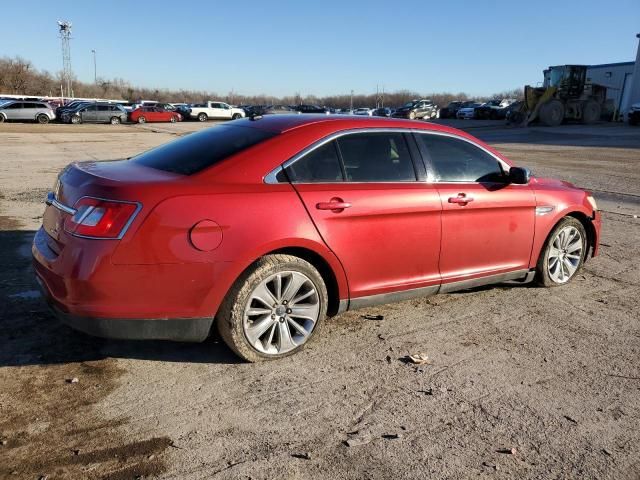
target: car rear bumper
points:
(176, 329)
(90, 293)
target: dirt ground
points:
(523, 382)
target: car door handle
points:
(335, 204)
(461, 199)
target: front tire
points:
(142, 120)
(174, 119)
(273, 309)
(76, 119)
(236, 116)
(412, 115)
(551, 113)
(115, 120)
(563, 254)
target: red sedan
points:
(266, 226)
(154, 114)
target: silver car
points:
(20, 110)
(96, 113)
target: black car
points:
(70, 106)
(382, 112)
(634, 114)
(493, 110)
(184, 110)
(451, 110)
(312, 109)
(416, 109)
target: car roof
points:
(285, 123)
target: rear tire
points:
(42, 118)
(174, 119)
(273, 323)
(551, 113)
(115, 120)
(203, 117)
(591, 112)
(142, 120)
(563, 254)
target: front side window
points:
(318, 166)
(376, 157)
(455, 160)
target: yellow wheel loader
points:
(564, 95)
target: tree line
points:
(20, 77)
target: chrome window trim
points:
(504, 165)
(270, 178)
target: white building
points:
(617, 77)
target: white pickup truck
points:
(215, 110)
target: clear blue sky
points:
(323, 47)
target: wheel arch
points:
(325, 270)
(586, 222)
(542, 233)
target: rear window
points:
(198, 151)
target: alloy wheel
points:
(565, 254)
(281, 313)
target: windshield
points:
(410, 104)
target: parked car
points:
(98, 112)
(633, 116)
(70, 106)
(216, 111)
(417, 109)
(154, 114)
(274, 110)
(267, 226)
(382, 112)
(184, 109)
(345, 111)
(363, 111)
(19, 110)
(493, 109)
(312, 109)
(467, 112)
(450, 110)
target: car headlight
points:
(592, 202)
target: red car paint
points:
(154, 114)
(193, 235)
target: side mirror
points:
(519, 175)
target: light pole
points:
(95, 70)
(351, 101)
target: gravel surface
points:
(522, 382)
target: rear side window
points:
(197, 151)
(376, 157)
(456, 160)
(320, 165)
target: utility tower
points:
(65, 37)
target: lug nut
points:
(288, 310)
(273, 315)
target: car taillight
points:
(99, 218)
